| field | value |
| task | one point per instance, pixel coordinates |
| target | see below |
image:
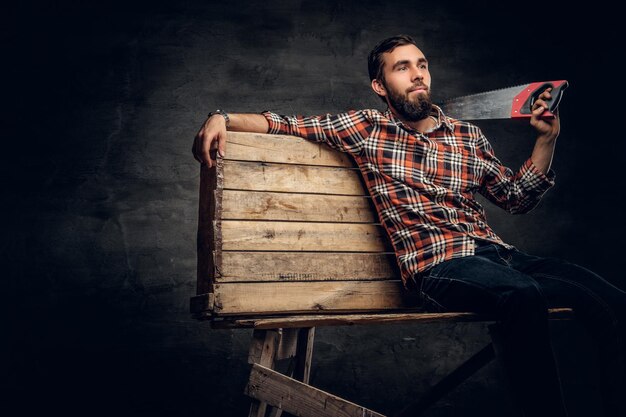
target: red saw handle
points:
(523, 102)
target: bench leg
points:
(298, 398)
(263, 351)
(304, 354)
(451, 381)
(301, 364)
(268, 346)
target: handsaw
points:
(506, 103)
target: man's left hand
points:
(547, 128)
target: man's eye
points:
(401, 68)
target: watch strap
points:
(221, 113)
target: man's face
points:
(406, 82)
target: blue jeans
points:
(518, 289)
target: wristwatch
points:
(223, 114)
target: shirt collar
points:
(437, 113)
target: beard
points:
(413, 110)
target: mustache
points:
(418, 85)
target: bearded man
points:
(422, 170)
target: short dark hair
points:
(375, 58)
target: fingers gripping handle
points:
(523, 102)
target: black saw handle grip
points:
(534, 90)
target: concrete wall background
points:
(101, 104)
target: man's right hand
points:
(210, 137)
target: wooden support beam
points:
(355, 319)
(374, 318)
(450, 382)
(301, 341)
(263, 351)
(298, 398)
(288, 345)
(264, 346)
(304, 354)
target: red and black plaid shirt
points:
(423, 185)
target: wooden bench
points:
(288, 240)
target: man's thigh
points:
(477, 283)
(567, 284)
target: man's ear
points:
(379, 88)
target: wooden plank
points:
(209, 235)
(308, 266)
(296, 343)
(288, 343)
(256, 346)
(411, 315)
(263, 205)
(399, 316)
(360, 319)
(298, 398)
(206, 238)
(257, 409)
(300, 236)
(275, 412)
(310, 297)
(304, 354)
(357, 319)
(263, 351)
(282, 148)
(266, 357)
(264, 346)
(261, 176)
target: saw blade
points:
(504, 103)
(494, 104)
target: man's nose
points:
(417, 74)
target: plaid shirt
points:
(423, 185)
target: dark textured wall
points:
(100, 105)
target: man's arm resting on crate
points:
(345, 132)
(212, 134)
